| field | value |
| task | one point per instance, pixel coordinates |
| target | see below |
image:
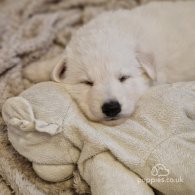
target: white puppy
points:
(110, 62)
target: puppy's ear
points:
(147, 62)
(58, 73)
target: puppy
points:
(111, 61)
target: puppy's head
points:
(105, 75)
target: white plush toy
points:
(156, 145)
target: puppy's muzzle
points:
(111, 109)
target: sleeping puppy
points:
(111, 61)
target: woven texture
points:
(32, 34)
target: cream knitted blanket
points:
(32, 35)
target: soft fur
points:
(36, 128)
(46, 126)
(119, 55)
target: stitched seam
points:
(161, 142)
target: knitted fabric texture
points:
(32, 36)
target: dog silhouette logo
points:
(160, 170)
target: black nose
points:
(111, 108)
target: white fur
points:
(152, 44)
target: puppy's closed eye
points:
(89, 83)
(124, 78)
